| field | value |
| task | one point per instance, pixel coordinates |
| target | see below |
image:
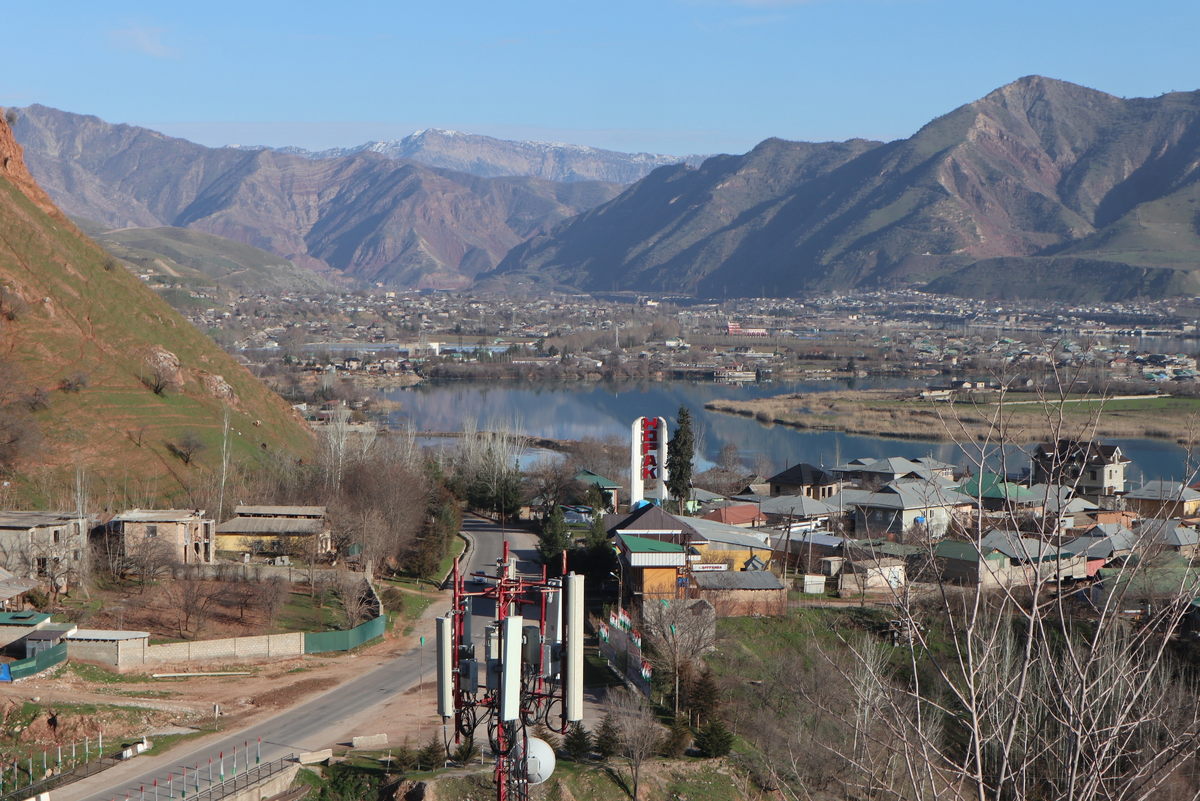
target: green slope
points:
(85, 314)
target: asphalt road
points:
(312, 725)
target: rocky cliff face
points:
(1034, 169)
(363, 216)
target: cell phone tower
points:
(531, 671)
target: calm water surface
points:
(575, 409)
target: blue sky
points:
(677, 76)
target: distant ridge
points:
(990, 191)
(361, 217)
(489, 157)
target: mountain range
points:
(1033, 190)
(363, 217)
(488, 157)
(106, 374)
(1042, 188)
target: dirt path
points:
(271, 688)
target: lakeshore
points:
(893, 415)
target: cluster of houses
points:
(55, 549)
(874, 526)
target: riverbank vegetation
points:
(1023, 417)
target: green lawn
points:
(300, 613)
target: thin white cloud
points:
(143, 39)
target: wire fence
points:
(249, 778)
(15, 791)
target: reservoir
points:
(577, 409)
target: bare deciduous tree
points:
(186, 446)
(1014, 685)
(193, 600)
(680, 633)
(640, 732)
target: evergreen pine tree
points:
(432, 754)
(598, 499)
(679, 459)
(678, 738)
(578, 743)
(597, 535)
(713, 739)
(554, 539)
(705, 697)
(608, 737)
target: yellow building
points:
(651, 568)
(718, 543)
(296, 530)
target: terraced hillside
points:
(84, 344)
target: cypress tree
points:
(679, 459)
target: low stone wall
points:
(266, 646)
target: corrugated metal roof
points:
(158, 516)
(713, 531)
(738, 580)
(635, 544)
(101, 634)
(24, 520)
(280, 511)
(271, 525)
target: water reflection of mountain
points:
(571, 410)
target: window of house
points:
(151, 531)
(55, 536)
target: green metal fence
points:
(318, 642)
(39, 662)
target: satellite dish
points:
(540, 763)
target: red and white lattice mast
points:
(530, 673)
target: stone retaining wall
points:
(267, 646)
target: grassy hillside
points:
(196, 258)
(76, 312)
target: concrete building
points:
(302, 530)
(1092, 468)
(48, 546)
(895, 509)
(188, 534)
(1164, 499)
(805, 479)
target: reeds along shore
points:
(893, 416)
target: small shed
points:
(42, 640)
(112, 649)
(741, 593)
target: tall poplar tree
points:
(679, 459)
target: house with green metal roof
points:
(981, 566)
(609, 487)
(994, 493)
(651, 568)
